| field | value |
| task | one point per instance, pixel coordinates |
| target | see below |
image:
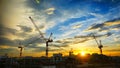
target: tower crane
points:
(22, 47)
(100, 46)
(46, 40)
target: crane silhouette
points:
(100, 46)
(21, 49)
(46, 40)
(25, 45)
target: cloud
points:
(80, 40)
(7, 50)
(88, 37)
(60, 41)
(76, 26)
(70, 27)
(6, 30)
(50, 11)
(97, 15)
(70, 41)
(32, 40)
(113, 20)
(54, 50)
(25, 28)
(62, 28)
(96, 26)
(106, 26)
(6, 41)
(68, 33)
(39, 49)
(113, 50)
(37, 1)
(106, 20)
(114, 23)
(60, 45)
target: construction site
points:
(57, 60)
(59, 33)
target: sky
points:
(72, 22)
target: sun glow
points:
(83, 53)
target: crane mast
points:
(47, 43)
(100, 46)
(21, 48)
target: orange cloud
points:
(112, 23)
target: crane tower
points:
(100, 46)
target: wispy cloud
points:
(6, 41)
(50, 11)
(106, 25)
(113, 50)
(25, 28)
(6, 30)
(76, 26)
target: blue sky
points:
(68, 21)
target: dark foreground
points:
(90, 61)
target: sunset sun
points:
(82, 53)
